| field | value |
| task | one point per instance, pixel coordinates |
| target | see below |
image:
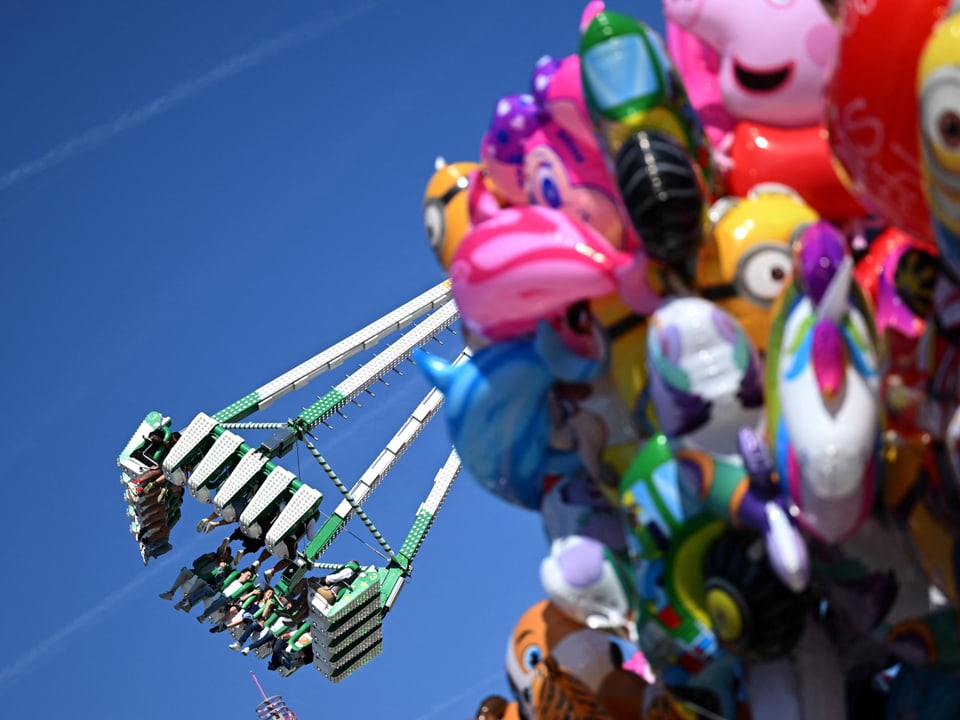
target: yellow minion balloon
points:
(446, 214)
(938, 89)
(746, 258)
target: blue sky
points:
(194, 198)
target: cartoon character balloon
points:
(764, 105)
(499, 411)
(938, 90)
(446, 216)
(774, 57)
(559, 668)
(938, 81)
(530, 262)
(823, 389)
(650, 134)
(746, 260)
(553, 155)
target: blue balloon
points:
(498, 411)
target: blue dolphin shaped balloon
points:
(498, 411)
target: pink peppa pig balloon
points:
(775, 56)
(758, 74)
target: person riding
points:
(333, 586)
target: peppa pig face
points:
(775, 55)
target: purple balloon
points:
(821, 249)
(515, 118)
(543, 73)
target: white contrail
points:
(132, 118)
(55, 641)
(22, 664)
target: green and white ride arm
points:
(246, 484)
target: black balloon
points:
(663, 190)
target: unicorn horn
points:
(833, 304)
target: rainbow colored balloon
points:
(822, 389)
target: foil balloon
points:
(822, 389)
(651, 135)
(446, 215)
(528, 263)
(705, 376)
(764, 104)
(630, 84)
(559, 668)
(774, 58)
(499, 414)
(798, 157)
(874, 127)
(689, 573)
(746, 260)
(938, 90)
(665, 198)
(563, 164)
(590, 584)
(898, 273)
(674, 630)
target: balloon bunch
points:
(735, 408)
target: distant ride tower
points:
(273, 707)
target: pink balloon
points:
(528, 263)
(775, 58)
